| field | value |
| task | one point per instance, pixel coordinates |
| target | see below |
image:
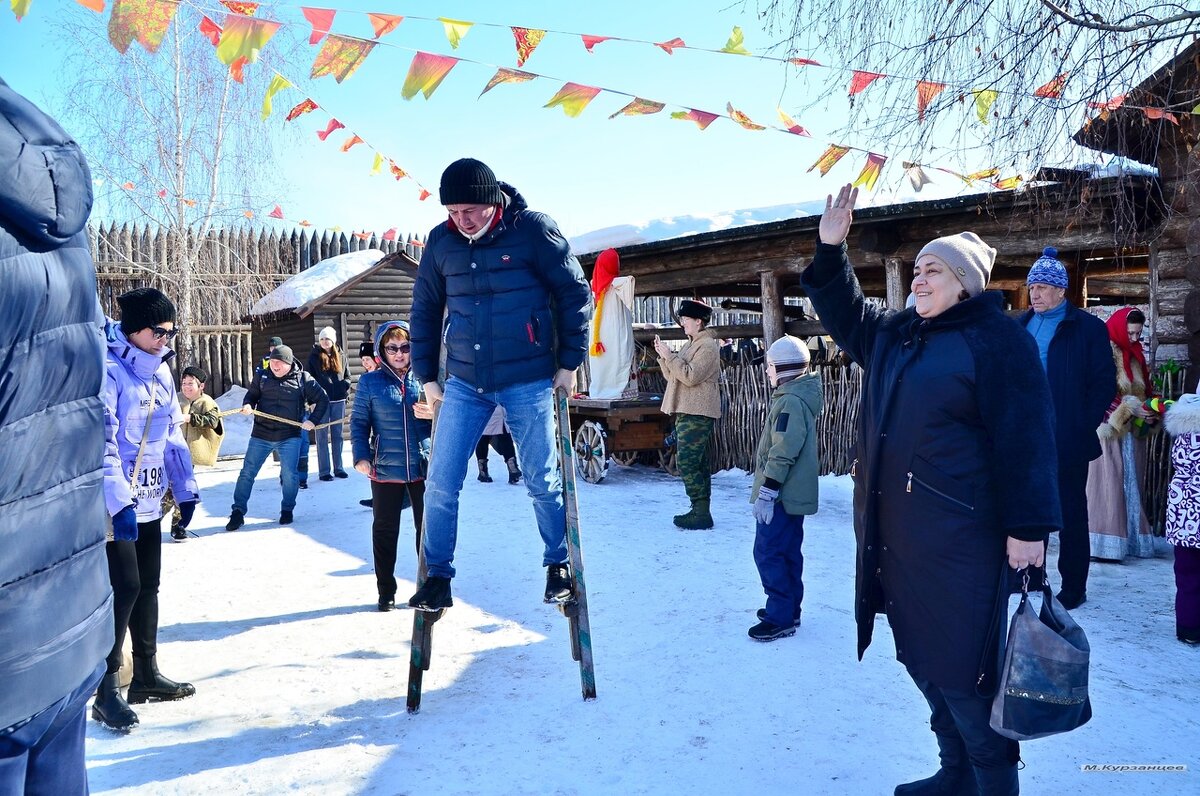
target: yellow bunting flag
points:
(426, 73)
(527, 40)
(351, 141)
(573, 98)
(507, 76)
(242, 39)
(830, 157)
(278, 83)
(1053, 89)
(340, 56)
(791, 125)
(916, 175)
(926, 91)
(144, 21)
(702, 118)
(871, 171)
(742, 118)
(456, 30)
(736, 44)
(377, 165)
(669, 46)
(91, 5)
(983, 103)
(20, 8)
(860, 80)
(321, 20)
(384, 24)
(308, 106)
(1008, 183)
(986, 174)
(639, 107)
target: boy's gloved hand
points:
(764, 506)
(186, 510)
(125, 525)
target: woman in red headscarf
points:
(1117, 524)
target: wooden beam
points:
(740, 330)
(772, 305)
(894, 278)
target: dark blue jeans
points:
(964, 717)
(257, 451)
(781, 565)
(43, 756)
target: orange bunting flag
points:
(426, 73)
(304, 222)
(424, 195)
(639, 107)
(190, 202)
(384, 24)
(456, 31)
(669, 46)
(926, 91)
(591, 41)
(277, 212)
(702, 118)
(573, 98)
(351, 141)
(861, 80)
(736, 44)
(210, 30)
(830, 157)
(742, 118)
(871, 171)
(91, 5)
(143, 21)
(308, 106)
(1159, 113)
(241, 41)
(278, 83)
(507, 76)
(128, 186)
(377, 164)
(1053, 89)
(527, 41)
(802, 62)
(245, 9)
(321, 20)
(361, 235)
(1111, 105)
(962, 177)
(1008, 183)
(916, 175)
(390, 234)
(397, 172)
(334, 124)
(791, 125)
(340, 56)
(983, 103)
(248, 213)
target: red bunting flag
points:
(424, 195)
(591, 41)
(384, 24)
(210, 30)
(351, 141)
(334, 124)
(702, 118)
(162, 194)
(1053, 89)
(245, 9)
(397, 172)
(277, 212)
(926, 91)
(573, 98)
(802, 62)
(390, 234)
(1160, 113)
(861, 80)
(321, 20)
(829, 158)
(669, 46)
(308, 106)
(527, 41)
(1111, 105)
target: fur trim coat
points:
(1130, 394)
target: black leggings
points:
(388, 502)
(501, 443)
(134, 569)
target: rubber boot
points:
(514, 472)
(698, 519)
(110, 708)
(148, 684)
(483, 473)
(955, 778)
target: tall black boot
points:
(483, 471)
(955, 778)
(148, 684)
(998, 781)
(514, 472)
(110, 708)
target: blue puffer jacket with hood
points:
(383, 429)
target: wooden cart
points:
(626, 429)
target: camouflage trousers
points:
(692, 435)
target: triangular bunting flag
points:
(162, 194)
(361, 235)
(527, 41)
(396, 171)
(926, 91)
(210, 30)
(871, 171)
(307, 106)
(248, 213)
(244, 9)
(742, 118)
(321, 20)
(143, 21)
(390, 234)
(426, 73)
(304, 222)
(1159, 113)
(1008, 183)
(128, 186)
(242, 39)
(702, 118)
(377, 164)
(1111, 105)
(507, 76)
(20, 8)
(1053, 89)
(351, 141)
(91, 5)
(334, 124)
(736, 43)
(860, 80)
(384, 24)
(424, 195)
(278, 83)
(669, 46)
(916, 175)
(591, 41)
(456, 30)
(639, 107)
(791, 125)
(828, 158)
(983, 103)
(802, 62)
(340, 56)
(277, 212)
(573, 98)
(986, 174)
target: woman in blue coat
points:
(956, 474)
(389, 434)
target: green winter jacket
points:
(787, 449)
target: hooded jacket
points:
(787, 449)
(56, 620)
(285, 397)
(515, 301)
(383, 429)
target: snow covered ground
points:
(301, 682)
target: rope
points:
(288, 421)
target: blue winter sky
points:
(588, 172)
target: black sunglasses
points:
(159, 332)
(403, 348)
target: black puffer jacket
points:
(517, 303)
(284, 397)
(55, 601)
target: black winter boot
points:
(698, 519)
(236, 520)
(110, 708)
(483, 471)
(514, 472)
(434, 595)
(954, 778)
(559, 587)
(148, 684)
(999, 781)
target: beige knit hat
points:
(968, 257)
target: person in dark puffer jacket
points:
(517, 309)
(56, 615)
(389, 433)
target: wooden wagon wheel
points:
(591, 452)
(627, 458)
(668, 460)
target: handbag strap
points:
(137, 462)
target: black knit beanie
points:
(470, 182)
(144, 307)
(195, 372)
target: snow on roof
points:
(315, 282)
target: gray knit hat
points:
(968, 257)
(283, 354)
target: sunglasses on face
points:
(402, 348)
(159, 332)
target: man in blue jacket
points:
(1077, 358)
(56, 621)
(516, 308)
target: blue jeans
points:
(529, 408)
(43, 756)
(780, 565)
(333, 434)
(257, 451)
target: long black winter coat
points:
(1079, 366)
(335, 385)
(287, 398)
(55, 600)
(955, 454)
(516, 300)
